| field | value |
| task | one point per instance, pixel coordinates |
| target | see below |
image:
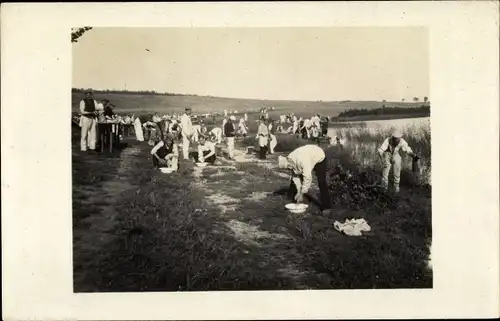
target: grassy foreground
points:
(224, 228)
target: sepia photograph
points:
(239, 158)
(250, 160)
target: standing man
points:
(230, 132)
(302, 161)
(389, 153)
(187, 131)
(263, 138)
(89, 110)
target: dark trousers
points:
(156, 162)
(262, 152)
(209, 160)
(320, 171)
(304, 133)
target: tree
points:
(415, 99)
(78, 32)
(402, 100)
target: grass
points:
(143, 104)
(136, 229)
(362, 143)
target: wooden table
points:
(126, 129)
(109, 136)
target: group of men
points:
(302, 162)
(311, 158)
(92, 112)
(307, 128)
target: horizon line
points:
(154, 92)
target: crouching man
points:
(302, 161)
(166, 153)
(389, 153)
(206, 151)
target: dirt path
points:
(97, 229)
(250, 210)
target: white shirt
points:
(302, 161)
(216, 131)
(387, 147)
(197, 128)
(186, 125)
(208, 146)
(98, 106)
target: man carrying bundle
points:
(302, 161)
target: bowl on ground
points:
(296, 208)
(201, 164)
(167, 170)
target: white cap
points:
(397, 133)
(232, 117)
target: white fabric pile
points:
(352, 227)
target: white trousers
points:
(230, 146)
(185, 147)
(272, 143)
(89, 133)
(174, 163)
(393, 161)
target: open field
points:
(143, 104)
(225, 228)
(364, 138)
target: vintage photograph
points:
(225, 159)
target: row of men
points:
(301, 162)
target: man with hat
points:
(389, 153)
(302, 161)
(187, 132)
(89, 109)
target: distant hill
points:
(147, 102)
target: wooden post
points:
(110, 128)
(102, 134)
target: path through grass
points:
(225, 228)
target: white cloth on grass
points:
(352, 227)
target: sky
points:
(327, 64)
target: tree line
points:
(386, 111)
(128, 92)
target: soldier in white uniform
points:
(302, 161)
(187, 132)
(389, 153)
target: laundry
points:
(352, 227)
